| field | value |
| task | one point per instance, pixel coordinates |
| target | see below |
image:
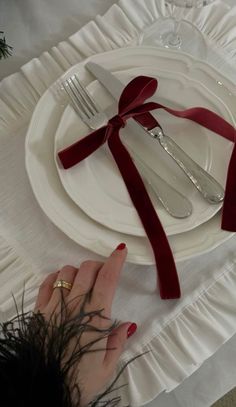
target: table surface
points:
(35, 26)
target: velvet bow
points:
(131, 104)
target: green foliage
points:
(5, 50)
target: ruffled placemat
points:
(119, 27)
(180, 335)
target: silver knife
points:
(210, 189)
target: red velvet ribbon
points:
(131, 104)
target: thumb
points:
(116, 342)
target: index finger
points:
(107, 279)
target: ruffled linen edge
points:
(120, 26)
(183, 344)
(180, 348)
(17, 276)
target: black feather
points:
(31, 354)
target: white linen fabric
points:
(180, 335)
(33, 26)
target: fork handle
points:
(176, 204)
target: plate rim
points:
(130, 228)
(103, 249)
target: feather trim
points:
(34, 365)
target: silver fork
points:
(176, 204)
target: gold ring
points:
(62, 284)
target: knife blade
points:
(210, 189)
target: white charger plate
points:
(64, 213)
(98, 180)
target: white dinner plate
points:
(60, 208)
(98, 180)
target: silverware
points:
(210, 189)
(173, 201)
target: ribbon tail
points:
(166, 269)
(229, 209)
(82, 148)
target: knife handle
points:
(176, 204)
(211, 190)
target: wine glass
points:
(175, 32)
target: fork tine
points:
(76, 98)
(83, 104)
(80, 97)
(77, 106)
(85, 95)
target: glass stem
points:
(174, 39)
(176, 27)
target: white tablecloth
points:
(23, 254)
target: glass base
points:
(189, 39)
(171, 40)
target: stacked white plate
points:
(89, 202)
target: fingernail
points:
(131, 330)
(121, 246)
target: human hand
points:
(98, 342)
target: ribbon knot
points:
(131, 104)
(117, 121)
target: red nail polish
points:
(121, 246)
(131, 330)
